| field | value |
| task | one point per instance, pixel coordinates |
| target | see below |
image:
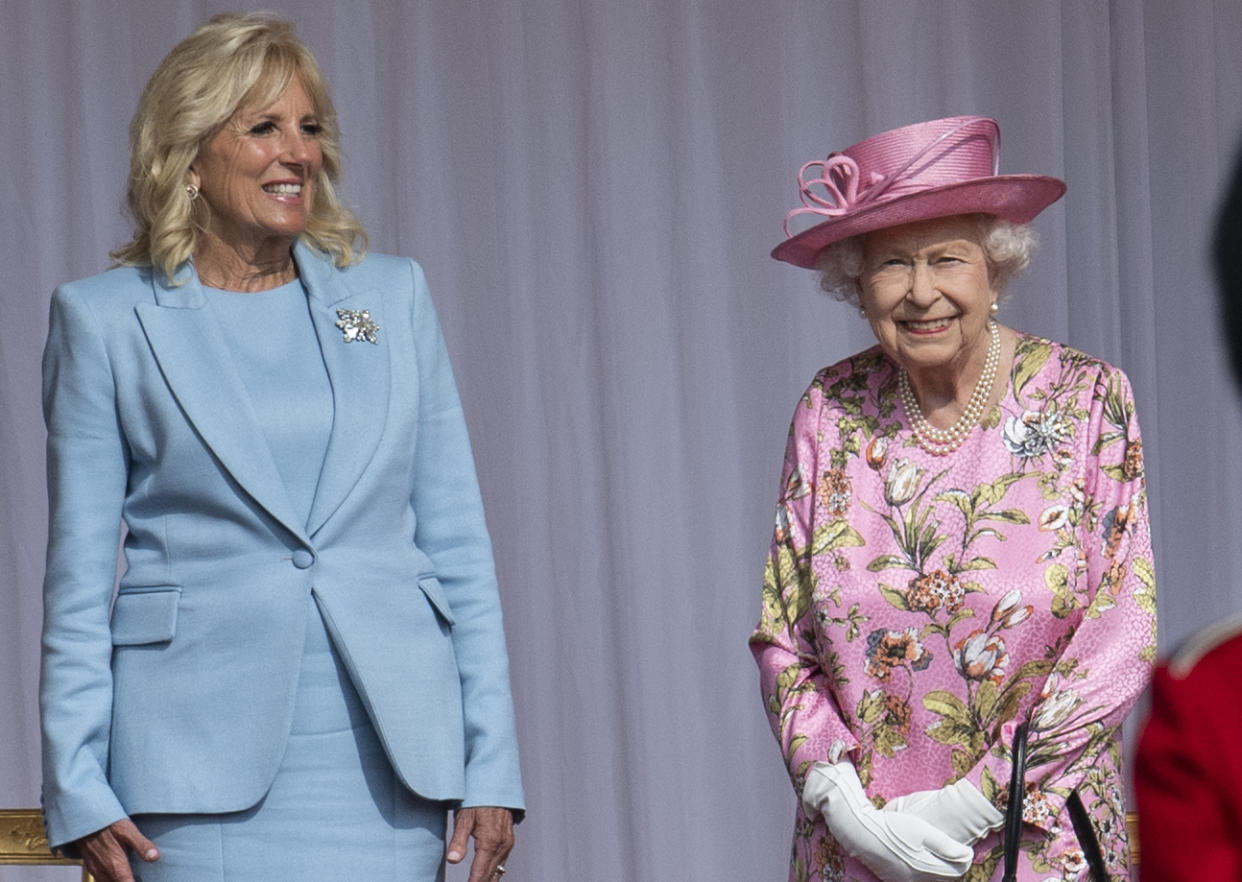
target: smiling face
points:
(257, 174)
(927, 292)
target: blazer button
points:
(302, 558)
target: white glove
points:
(897, 847)
(959, 810)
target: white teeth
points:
(283, 189)
(928, 326)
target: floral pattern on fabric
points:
(916, 608)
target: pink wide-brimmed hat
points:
(931, 169)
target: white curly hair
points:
(1007, 246)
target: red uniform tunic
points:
(1188, 771)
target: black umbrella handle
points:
(1013, 812)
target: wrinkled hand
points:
(959, 810)
(897, 847)
(105, 853)
(492, 829)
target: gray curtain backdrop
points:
(593, 187)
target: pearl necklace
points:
(939, 442)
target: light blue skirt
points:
(336, 810)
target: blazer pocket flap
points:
(147, 615)
(431, 587)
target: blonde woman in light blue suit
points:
(304, 668)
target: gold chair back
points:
(22, 842)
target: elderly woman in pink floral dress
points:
(961, 543)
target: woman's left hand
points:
(492, 829)
(959, 810)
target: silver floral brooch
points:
(356, 325)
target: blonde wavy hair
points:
(231, 62)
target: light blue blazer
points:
(180, 698)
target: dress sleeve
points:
(451, 530)
(86, 478)
(795, 686)
(1100, 671)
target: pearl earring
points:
(862, 313)
(994, 308)
(191, 191)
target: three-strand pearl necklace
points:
(939, 442)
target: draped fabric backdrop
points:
(593, 187)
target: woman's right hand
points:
(105, 853)
(896, 846)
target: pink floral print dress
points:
(916, 608)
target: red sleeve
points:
(1188, 773)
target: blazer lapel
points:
(360, 376)
(200, 370)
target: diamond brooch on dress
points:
(356, 325)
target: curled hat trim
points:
(839, 178)
(937, 168)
